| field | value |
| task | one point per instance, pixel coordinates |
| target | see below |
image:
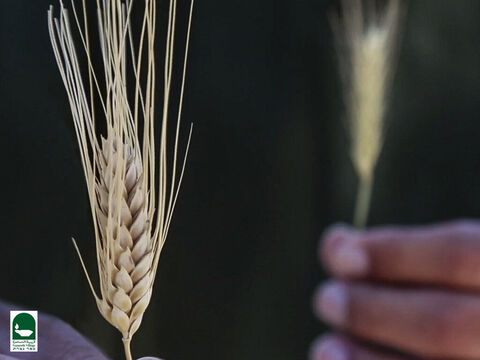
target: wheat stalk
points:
(131, 201)
(366, 42)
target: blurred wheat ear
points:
(366, 38)
(132, 194)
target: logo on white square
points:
(23, 331)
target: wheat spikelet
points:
(131, 201)
(366, 41)
(128, 271)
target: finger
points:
(334, 347)
(57, 340)
(447, 254)
(63, 342)
(426, 323)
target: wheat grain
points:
(131, 209)
(366, 42)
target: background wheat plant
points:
(132, 194)
(366, 38)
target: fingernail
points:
(350, 259)
(330, 349)
(337, 232)
(332, 302)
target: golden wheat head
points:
(366, 41)
(132, 195)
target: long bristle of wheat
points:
(131, 198)
(366, 39)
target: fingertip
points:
(336, 229)
(330, 303)
(330, 237)
(350, 260)
(342, 253)
(329, 347)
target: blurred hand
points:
(412, 292)
(56, 340)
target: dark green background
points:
(268, 171)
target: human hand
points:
(57, 340)
(414, 291)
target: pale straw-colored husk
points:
(366, 43)
(132, 195)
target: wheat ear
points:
(131, 201)
(366, 43)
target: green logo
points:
(24, 327)
(23, 331)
